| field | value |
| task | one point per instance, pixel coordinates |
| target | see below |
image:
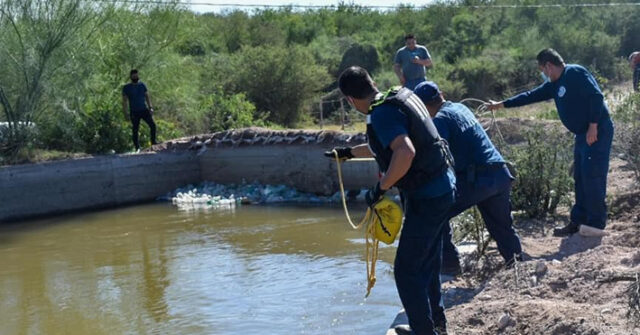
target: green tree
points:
(36, 38)
(228, 112)
(280, 81)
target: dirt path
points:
(564, 286)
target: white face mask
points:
(544, 76)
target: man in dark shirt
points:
(482, 177)
(136, 94)
(582, 109)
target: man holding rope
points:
(482, 176)
(414, 158)
(582, 109)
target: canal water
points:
(154, 269)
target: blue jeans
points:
(591, 166)
(490, 190)
(636, 77)
(411, 84)
(419, 257)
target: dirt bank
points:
(565, 286)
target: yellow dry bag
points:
(387, 220)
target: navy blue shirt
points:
(468, 141)
(578, 98)
(389, 122)
(135, 92)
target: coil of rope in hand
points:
(482, 111)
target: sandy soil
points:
(564, 286)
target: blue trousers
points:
(591, 165)
(419, 257)
(636, 77)
(411, 84)
(491, 192)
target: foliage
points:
(102, 128)
(543, 179)
(228, 112)
(66, 60)
(365, 56)
(35, 37)
(469, 226)
(627, 116)
(280, 81)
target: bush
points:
(102, 128)
(365, 56)
(227, 112)
(16, 143)
(469, 226)
(58, 130)
(280, 81)
(543, 180)
(627, 133)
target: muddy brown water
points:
(154, 269)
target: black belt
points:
(472, 170)
(490, 167)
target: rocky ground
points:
(565, 286)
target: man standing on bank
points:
(482, 176)
(582, 109)
(410, 62)
(136, 94)
(414, 158)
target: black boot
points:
(567, 230)
(406, 330)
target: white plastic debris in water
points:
(208, 195)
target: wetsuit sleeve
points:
(388, 123)
(540, 93)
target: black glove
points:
(343, 153)
(374, 195)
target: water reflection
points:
(154, 269)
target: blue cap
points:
(427, 91)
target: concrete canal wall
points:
(97, 182)
(292, 158)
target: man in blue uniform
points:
(410, 62)
(583, 111)
(135, 93)
(482, 177)
(415, 159)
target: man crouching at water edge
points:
(415, 159)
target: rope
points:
(481, 111)
(371, 251)
(369, 220)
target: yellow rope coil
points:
(376, 228)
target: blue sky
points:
(205, 8)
